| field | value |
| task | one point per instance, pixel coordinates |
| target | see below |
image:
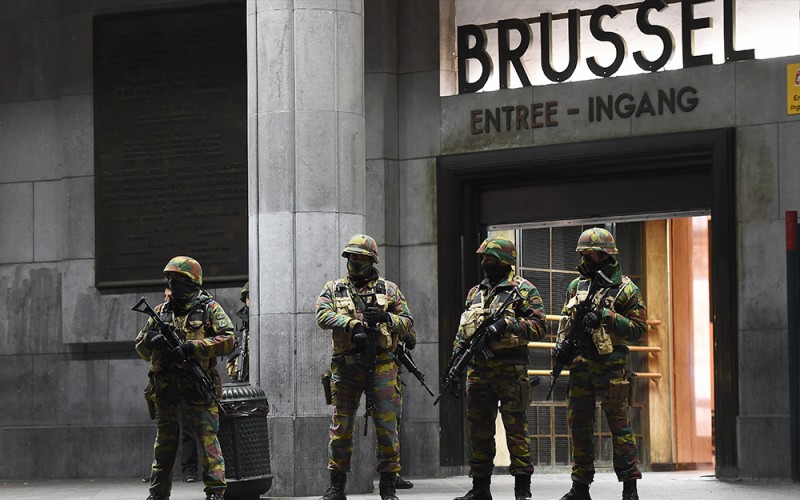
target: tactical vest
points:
(344, 304)
(195, 325)
(477, 312)
(606, 298)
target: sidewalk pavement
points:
(654, 486)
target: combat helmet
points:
(597, 239)
(186, 266)
(362, 244)
(245, 291)
(499, 247)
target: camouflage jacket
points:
(525, 318)
(205, 324)
(337, 311)
(623, 310)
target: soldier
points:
(241, 353)
(188, 451)
(207, 333)
(363, 310)
(504, 378)
(617, 318)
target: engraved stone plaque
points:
(170, 143)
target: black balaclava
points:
(358, 269)
(182, 292)
(589, 268)
(495, 273)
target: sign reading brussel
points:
(508, 56)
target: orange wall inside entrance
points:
(692, 367)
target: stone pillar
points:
(306, 198)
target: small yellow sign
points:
(793, 89)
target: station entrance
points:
(672, 406)
(670, 202)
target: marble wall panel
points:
(17, 230)
(757, 173)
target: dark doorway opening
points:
(685, 172)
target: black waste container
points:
(244, 439)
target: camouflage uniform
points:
(203, 323)
(622, 316)
(336, 310)
(504, 378)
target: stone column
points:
(306, 198)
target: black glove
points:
(359, 335)
(150, 338)
(497, 329)
(183, 352)
(593, 318)
(375, 315)
(410, 342)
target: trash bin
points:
(244, 440)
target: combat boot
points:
(215, 496)
(156, 496)
(522, 487)
(629, 490)
(480, 489)
(402, 484)
(336, 489)
(579, 491)
(386, 486)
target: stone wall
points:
(73, 383)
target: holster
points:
(632, 378)
(326, 387)
(619, 391)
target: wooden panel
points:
(656, 292)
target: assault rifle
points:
(578, 338)
(168, 341)
(367, 352)
(477, 344)
(402, 353)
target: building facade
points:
(355, 123)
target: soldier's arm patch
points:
(222, 320)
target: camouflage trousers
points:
(488, 384)
(587, 381)
(172, 409)
(347, 385)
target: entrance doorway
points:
(666, 177)
(672, 408)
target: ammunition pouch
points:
(602, 341)
(471, 320)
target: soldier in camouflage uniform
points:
(504, 378)
(618, 317)
(340, 307)
(207, 333)
(242, 349)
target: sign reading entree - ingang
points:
(598, 108)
